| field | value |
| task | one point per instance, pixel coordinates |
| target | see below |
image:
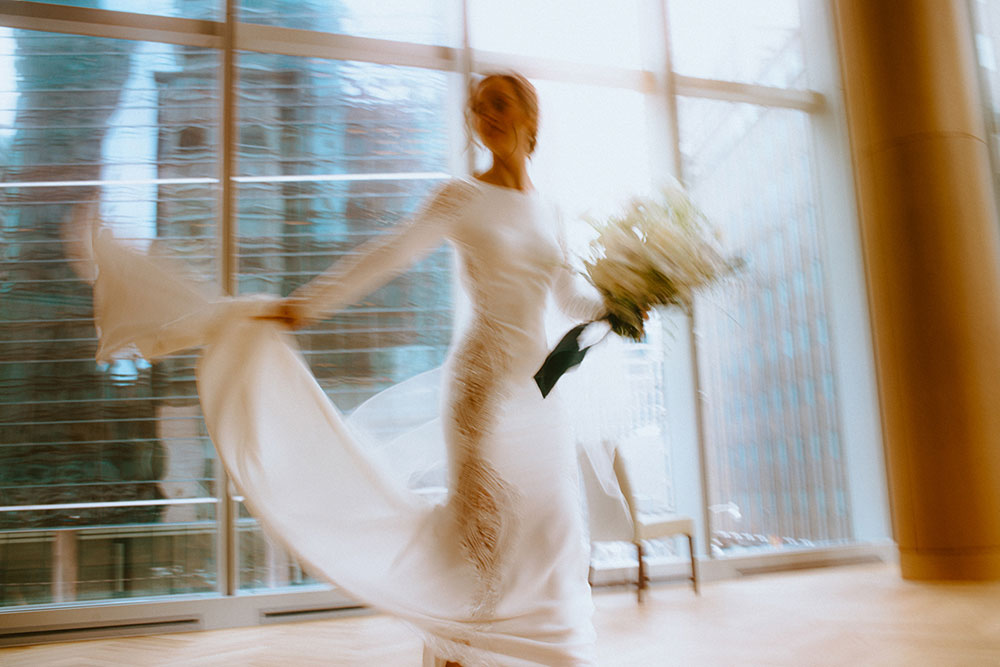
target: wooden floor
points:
(857, 615)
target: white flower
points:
(658, 252)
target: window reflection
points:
(354, 148)
(987, 41)
(109, 469)
(420, 21)
(104, 468)
(584, 31)
(770, 434)
(733, 40)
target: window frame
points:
(660, 83)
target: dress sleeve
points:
(576, 298)
(374, 263)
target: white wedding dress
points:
(494, 570)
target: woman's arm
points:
(576, 298)
(376, 262)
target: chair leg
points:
(694, 565)
(641, 583)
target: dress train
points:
(345, 505)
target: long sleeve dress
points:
(493, 573)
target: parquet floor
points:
(858, 615)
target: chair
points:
(653, 526)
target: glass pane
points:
(734, 40)
(332, 154)
(264, 564)
(987, 28)
(593, 149)
(420, 21)
(987, 36)
(776, 469)
(106, 473)
(593, 32)
(593, 154)
(188, 9)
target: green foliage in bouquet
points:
(656, 252)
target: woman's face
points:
(500, 119)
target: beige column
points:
(932, 252)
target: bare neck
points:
(511, 173)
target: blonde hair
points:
(526, 95)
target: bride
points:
(495, 573)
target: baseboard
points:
(678, 570)
(96, 630)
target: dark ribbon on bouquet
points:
(564, 356)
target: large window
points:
(330, 154)
(107, 478)
(345, 113)
(755, 152)
(775, 468)
(771, 420)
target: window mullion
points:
(734, 91)
(111, 24)
(227, 551)
(697, 394)
(315, 44)
(468, 66)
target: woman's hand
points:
(289, 312)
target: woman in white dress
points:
(496, 573)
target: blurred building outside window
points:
(109, 486)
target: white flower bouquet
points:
(657, 252)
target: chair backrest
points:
(621, 473)
(609, 516)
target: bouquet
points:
(656, 252)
